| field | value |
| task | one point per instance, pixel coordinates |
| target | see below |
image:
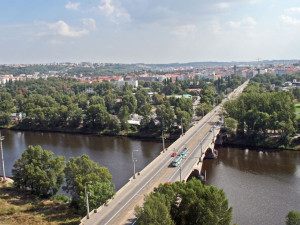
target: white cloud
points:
(289, 20)
(254, 1)
(292, 10)
(115, 13)
(223, 5)
(55, 42)
(185, 30)
(72, 6)
(63, 29)
(89, 23)
(247, 22)
(215, 27)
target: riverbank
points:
(130, 134)
(21, 207)
(269, 142)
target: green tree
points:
(231, 125)
(130, 101)
(99, 193)
(81, 170)
(124, 117)
(154, 211)
(114, 125)
(142, 97)
(165, 114)
(186, 203)
(96, 116)
(203, 109)
(293, 218)
(6, 102)
(186, 118)
(38, 170)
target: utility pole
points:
(87, 200)
(163, 140)
(213, 133)
(134, 160)
(181, 127)
(180, 173)
(2, 159)
(201, 150)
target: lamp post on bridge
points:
(134, 160)
(213, 127)
(87, 199)
(180, 173)
(2, 159)
(181, 128)
(201, 150)
(163, 140)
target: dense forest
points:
(60, 104)
(264, 111)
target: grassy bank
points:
(21, 207)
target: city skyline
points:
(147, 31)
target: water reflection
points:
(260, 162)
(112, 152)
(261, 186)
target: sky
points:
(148, 31)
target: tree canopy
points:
(81, 170)
(39, 171)
(185, 203)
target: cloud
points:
(215, 27)
(72, 6)
(89, 23)
(254, 1)
(289, 20)
(185, 30)
(55, 42)
(247, 23)
(292, 10)
(116, 13)
(63, 29)
(223, 5)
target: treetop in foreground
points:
(185, 203)
(82, 170)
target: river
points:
(262, 187)
(115, 153)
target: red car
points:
(174, 154)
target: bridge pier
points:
(211, 154)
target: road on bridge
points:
(120, 210)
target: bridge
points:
(199, 139)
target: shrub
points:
(60, 198)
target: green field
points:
(297, 111)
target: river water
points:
(262, 187)
(115, 153)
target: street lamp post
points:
(2, 159)
(180, 173)
(134, 160)
(213, 130)
(201, 150)
(87, 200)
(163, 140)
(181, 127)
